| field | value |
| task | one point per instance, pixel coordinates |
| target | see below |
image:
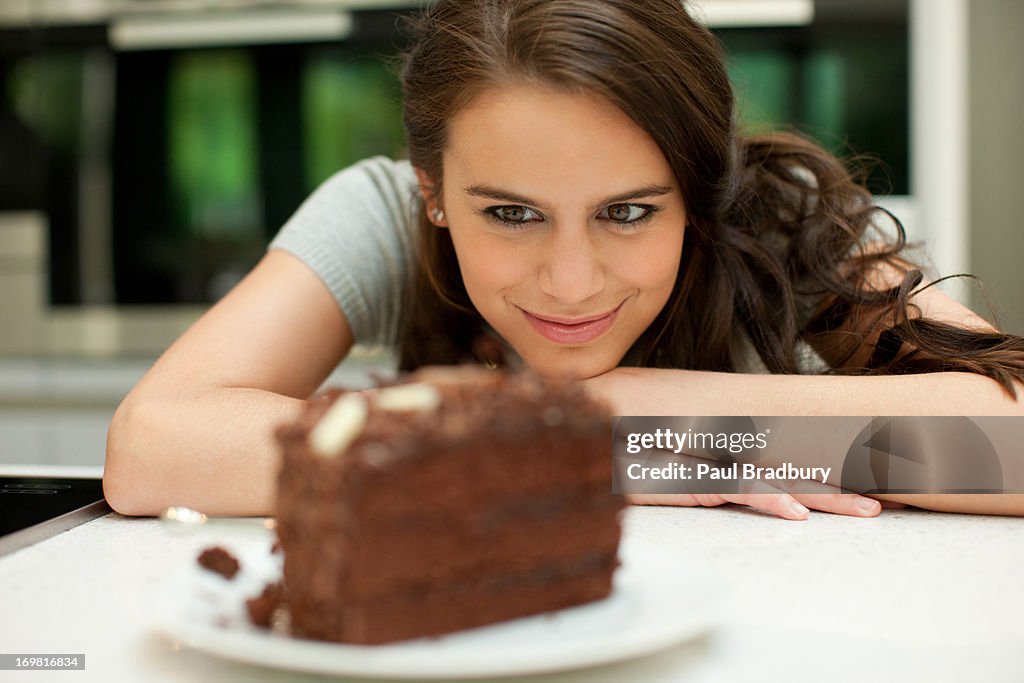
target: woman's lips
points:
(564, 331)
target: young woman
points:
(578, 195)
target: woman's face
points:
(567, 222)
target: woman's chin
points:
(571, 368)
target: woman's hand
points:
(787, 500)
(774, 501)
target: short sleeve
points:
(356, 233)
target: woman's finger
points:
(777, 503)
(818, 495)
(841, 503)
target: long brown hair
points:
(776, 226)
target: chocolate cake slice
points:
(460, 498)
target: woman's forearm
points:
(654, 392)
(973, 503)
(214, 452)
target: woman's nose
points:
(571, 271)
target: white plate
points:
(659, 599)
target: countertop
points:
(910, 595)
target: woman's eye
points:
(627, 213)
(514, 215)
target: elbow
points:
(128, 472)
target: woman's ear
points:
(430, 199)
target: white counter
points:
(910, 595)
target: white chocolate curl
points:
(342, 423)
(408, 397)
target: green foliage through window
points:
(213, 144)
(351, 110)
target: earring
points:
(438, 215)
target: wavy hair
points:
(777, 228)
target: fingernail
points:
(868, 505)
(798, 509)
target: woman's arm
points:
(646, 391)
(198, 428)
(656, 392)
(651, 391)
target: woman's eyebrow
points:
(489, 192)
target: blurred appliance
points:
(165, 141)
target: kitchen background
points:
(149, 149)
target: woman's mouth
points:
(572, 330)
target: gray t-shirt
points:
(357, 233)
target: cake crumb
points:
(219, 561)
(261, 609)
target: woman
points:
(578, 194)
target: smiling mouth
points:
(571, 331)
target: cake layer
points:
(375, 562)
(451, 478)
(487, 600)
